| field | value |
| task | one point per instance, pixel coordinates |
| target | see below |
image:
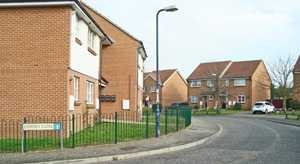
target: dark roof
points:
(242, 69)
(297, 66)
(205, 70)
(76, 1)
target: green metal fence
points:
(90, 129)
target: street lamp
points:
(168, 9)
(217, 75)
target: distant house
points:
(49, 58)
(239, 82)
(172, 87)
(296, 80)
(122, 67)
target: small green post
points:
(24, 137)
(166, 121)
(177, 120)
(116, 127)
(73, 130)
(147, 125)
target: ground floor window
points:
(241, 99)
(194, 99)
(89, 92)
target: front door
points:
(205, 101)
(223, 102)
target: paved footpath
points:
(200, 132)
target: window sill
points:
(194, 102)
(78, 41)
(77, 103)
(92, 51)
(90, 106)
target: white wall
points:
(140, 70)
(81, 59)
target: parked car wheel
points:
(266, 112)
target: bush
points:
(295, 104)
(196, 107)
(154, 108)
(145, 109)
(237, 106)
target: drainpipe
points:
(250, 94)
(101, 46)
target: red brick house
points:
(172, 87)
(296, 80)
(50, 53)
(239, 82)
(123, 67)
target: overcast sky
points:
(208, 30)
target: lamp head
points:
(171, 8)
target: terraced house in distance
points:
(238, 82)
(122, 67)
(50, 53)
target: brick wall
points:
(175, 90)
(119, 66)
(35, 49)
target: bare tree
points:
(281, 74)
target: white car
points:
(263, 107)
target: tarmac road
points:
(245, 139)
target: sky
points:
(208, 30)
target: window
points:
(91, 39)
(153, 89)
(196, 83)
(89, 92)
(211, 97)
(77, 30)
(239, 82)
(194, 99)
(241, 99)
(227, 83)
(210, 83)
(76, 79)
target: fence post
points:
(177, 120)
(166, 127)
(73, 129)
(147, 125)
(24, 137)
(116, 127)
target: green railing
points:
(90, 129)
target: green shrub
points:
(295, 104)
(145, 109)
(196, 107)
(154, 107)
(237, 106)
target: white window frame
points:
(153, 88)
(211, 97)
(89, 92)
(227, 83)
(241, 99)
(196, 83)
(77, 27)
(239, 82)
(76, 81)
(210, 83)
(194, 99)
(91, 39)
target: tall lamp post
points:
(168, 9)
(217, 75)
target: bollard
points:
(293, 112)
(286, 116)
(298, 117)
(280, 112)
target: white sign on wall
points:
(229, 103)
(201, 103)
(71, 103)
(125, 104)
(233, 102)
(97, 103)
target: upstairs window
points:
(227, 83)
(210, 83)
(91, 39)
(77, 28)
(153, 89)
(196, 83)
(239, 82)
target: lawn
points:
(214, 111)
